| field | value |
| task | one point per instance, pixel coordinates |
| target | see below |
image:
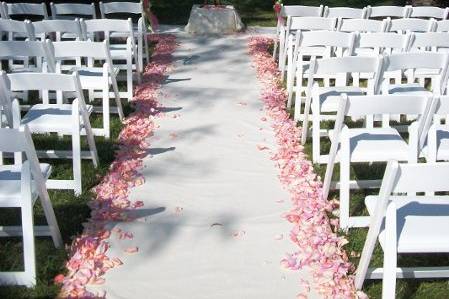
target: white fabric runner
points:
(211, 226)
(213, 20)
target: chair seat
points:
(422, 223)
(330, 96)
(45, 118)
(442, 144)
(92, 77)
(409, 88)
(377, 144)
(10, 193)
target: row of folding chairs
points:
(294, 24)
(367, 12)
(72, 11)
(69, 10)
(410, 213)
(333, 43)
(127, 53)
(340, 14)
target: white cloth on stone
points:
(214, 20)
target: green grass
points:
(71, 212)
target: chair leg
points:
(344, 184)
(28, 239)
(129, 78)
(106, 110)
(76, 148)
(147, 50)
(390, 254)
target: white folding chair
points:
(443, 26)
(16, 30)
(363, 25)
(345, 12)
(371, 144)
(21, 184)
(304, 24)
(313, 44)
(63, 119)
(388, 11)
(57, 30)
(133, 10)
(91, 77)
(437, 147)
(429, 12)
(120, 51)
(416, 66)
(406, 224)
(413, 25)
(324, 100)
(24, 10)
(26, 56)
(72, 11)
(292, 11)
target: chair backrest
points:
(334, 39)
(349, 64)
(16, 28)
(388, 11)
(339, 67)
(45, 81)
(413, 25)
(345, 12)
(311, 23)
(72, 11)
(43, 29)
(27, 49)
(357, 106)
(416, 60)
(301, 11)
(135, 8)
(443, 26)
(434, 41)
(363, 25)
(106, 26)
(85, 49)
(24, 9)
(384, 42)
(429, 12)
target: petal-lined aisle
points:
(90, 256)
(211, 224)
(320, 248)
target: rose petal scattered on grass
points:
(132, 249)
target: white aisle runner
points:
(211, 226)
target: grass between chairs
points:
(71, 212)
